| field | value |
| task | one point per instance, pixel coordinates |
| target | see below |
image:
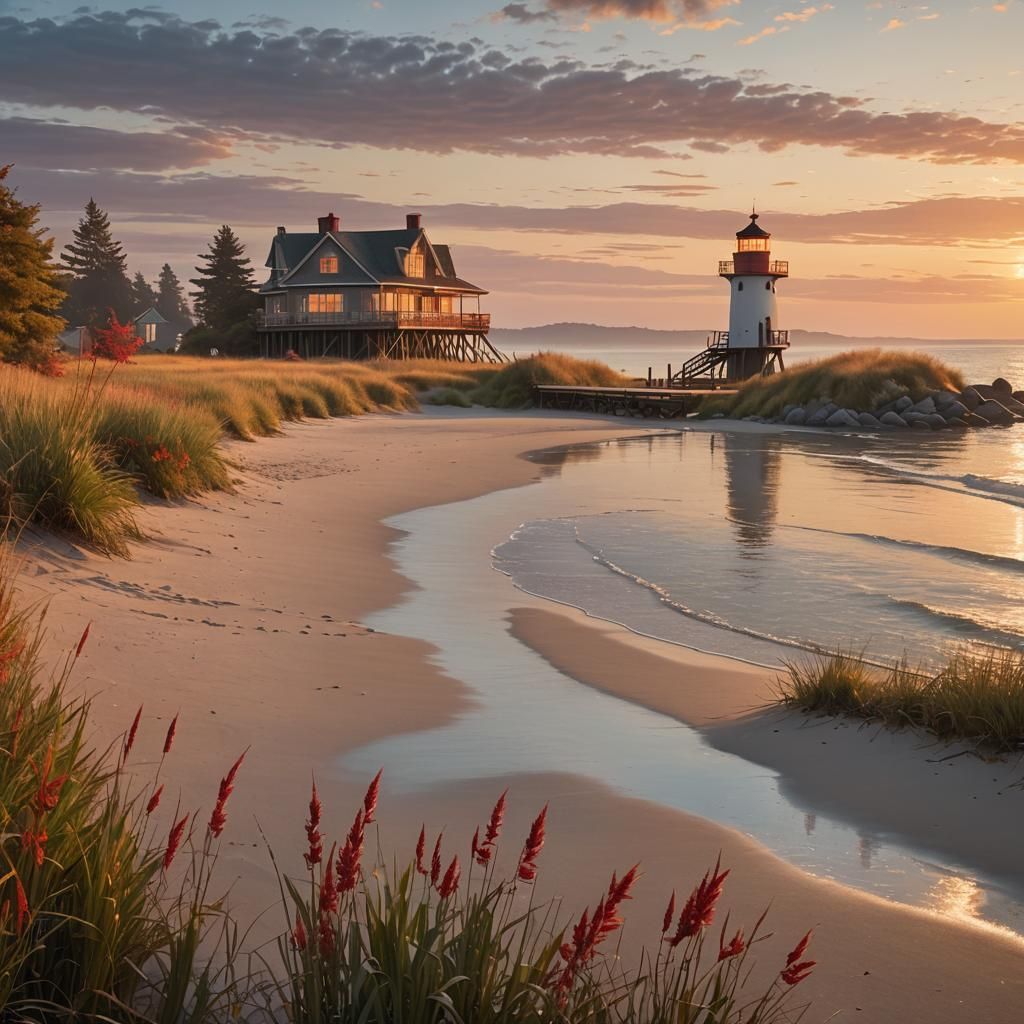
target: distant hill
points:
(595, 337)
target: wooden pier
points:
(648, 402)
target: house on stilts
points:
(370, 295)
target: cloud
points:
(340, 88)
(32, 142)
(893, 24)
(688, 11)
(257, 201)
(522, 14)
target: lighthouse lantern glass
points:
(752, 245)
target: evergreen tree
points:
(225, 292)
(170, 297)
(96, 262)
(29, 284)
(143, 296)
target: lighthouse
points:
(753, 345)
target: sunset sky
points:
(587, 159)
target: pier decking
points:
(648, 402)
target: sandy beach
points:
(246, 612)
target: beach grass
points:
(863, 380)
(975, 698)
(107, 911)
(511, 387)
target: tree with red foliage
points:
(117, 342)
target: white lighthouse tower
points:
(753, 345)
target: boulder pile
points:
(979, 405)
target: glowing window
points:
(150, 333)
(328, 264)
(414, 263)
(752, 245)
(325, 302)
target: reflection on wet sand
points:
(753, 465)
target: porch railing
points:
(379, 318)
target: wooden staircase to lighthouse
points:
(706, 365)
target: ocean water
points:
(754, 545)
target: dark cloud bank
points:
(341, 88)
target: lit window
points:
(325, 302)
(752, 245)
(414, 263)
(150, 333)
(328, 264)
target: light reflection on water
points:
(531, 718)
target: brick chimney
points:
(328, 223)
(413, 221)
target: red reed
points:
(174, 841)
(527, 869)
(218, 819)
(699, 910)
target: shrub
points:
(974, 697)
(511, 386)
(861, 380)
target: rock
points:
(957, 423)
(912, 417)
(977, 421)
(920, 424)
(869, 421)
(883, 409)
(936, 421)
(796, 417)
(718, 416)
(1019, 396)
(926, 406)
(787, 409)
(817, 419)
(1001, 386)
(995, 412)
(970, 398)
(892, 419)
(953, 410)
(813, 406)
(841, 418)
(944, 398)
(903, 404)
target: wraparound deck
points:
(374, 319)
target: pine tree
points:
(29, 292)
(225, 292)
(170, 298)
(143, 296)
(96, 262)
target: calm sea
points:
(752, 545)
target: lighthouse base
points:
(744, 363)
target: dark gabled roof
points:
(376, 252)
(160, 319)
(753, 230)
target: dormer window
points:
(414, 263)
(328, 264)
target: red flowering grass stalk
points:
(699, 910)
(482, 852)
(35, 840)
(169, 738)
(735, 946)
(314, 853)
(22, 900)
(299, 939)
(154, 800)
(370, 800)
(329, 898)
(435, 862)
(48, 793)
(450, 882)
(174, 841)
(670, 913)
(796, 970)
(590, 932)
(421, 849)
(351, 854)
(130, 741)
(81, 643)
(527, 869)
(218, 819)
